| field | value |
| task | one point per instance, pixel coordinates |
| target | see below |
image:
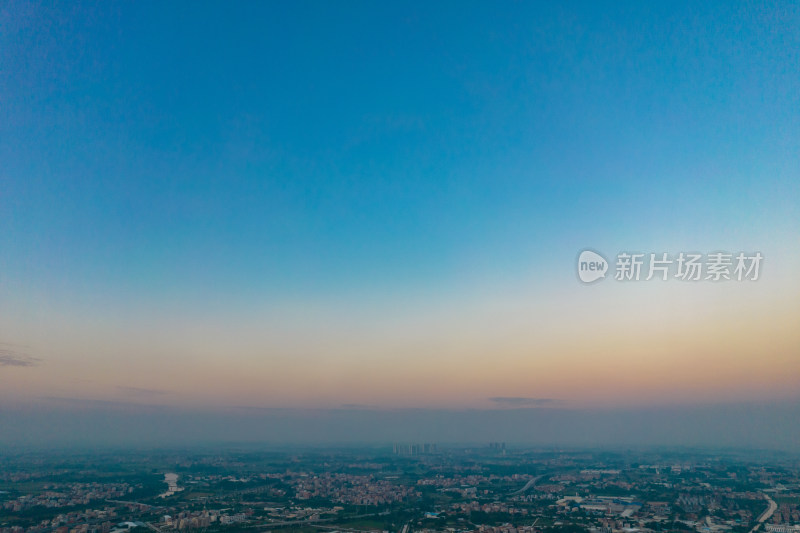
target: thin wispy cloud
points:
(141, 392)
(13, 356)
(521, 401)
(90, 403)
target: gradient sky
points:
(312, 205)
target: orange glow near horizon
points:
(594, 347)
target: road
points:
(317, 522)
(528, 485)
(123, 502)
(766, 514)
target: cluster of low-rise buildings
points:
(350, 489)
(68, 495)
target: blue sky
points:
(248, 159)
(324, 144)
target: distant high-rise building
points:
(414, 449)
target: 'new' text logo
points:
(591, 266)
